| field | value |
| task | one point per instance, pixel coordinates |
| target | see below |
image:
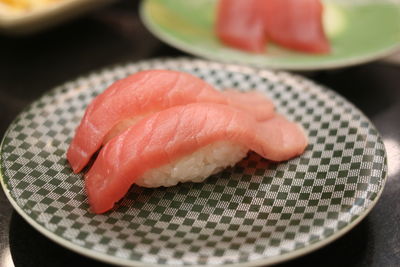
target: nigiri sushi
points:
(186, 143)
(295, 24)
(128, 100)
(240, 24)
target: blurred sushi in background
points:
(297, 35)
(250, 25)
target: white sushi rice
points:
(195, 167)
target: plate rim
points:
(347, 62)
(129, 262)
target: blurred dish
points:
(359, 31)
(23, 5)
(251, 25)
(27, 16)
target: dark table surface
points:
(31, 65)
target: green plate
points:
(359, 31)
(255, 213)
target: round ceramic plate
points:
(358, 30)
(255, 213)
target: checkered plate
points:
(255, 213)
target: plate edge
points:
(114, 260)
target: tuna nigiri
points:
(128, 100)
(239, 24)
(185, 143)
(295, 24)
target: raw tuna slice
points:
(130, 99)
(240, 25)
(295, 24)
(169, 135)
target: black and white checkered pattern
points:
(255, 211)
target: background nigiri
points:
(239, 24)
(295, 24)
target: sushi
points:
(129, 100)
(240, 24)
(186, 143)
(294, 24)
